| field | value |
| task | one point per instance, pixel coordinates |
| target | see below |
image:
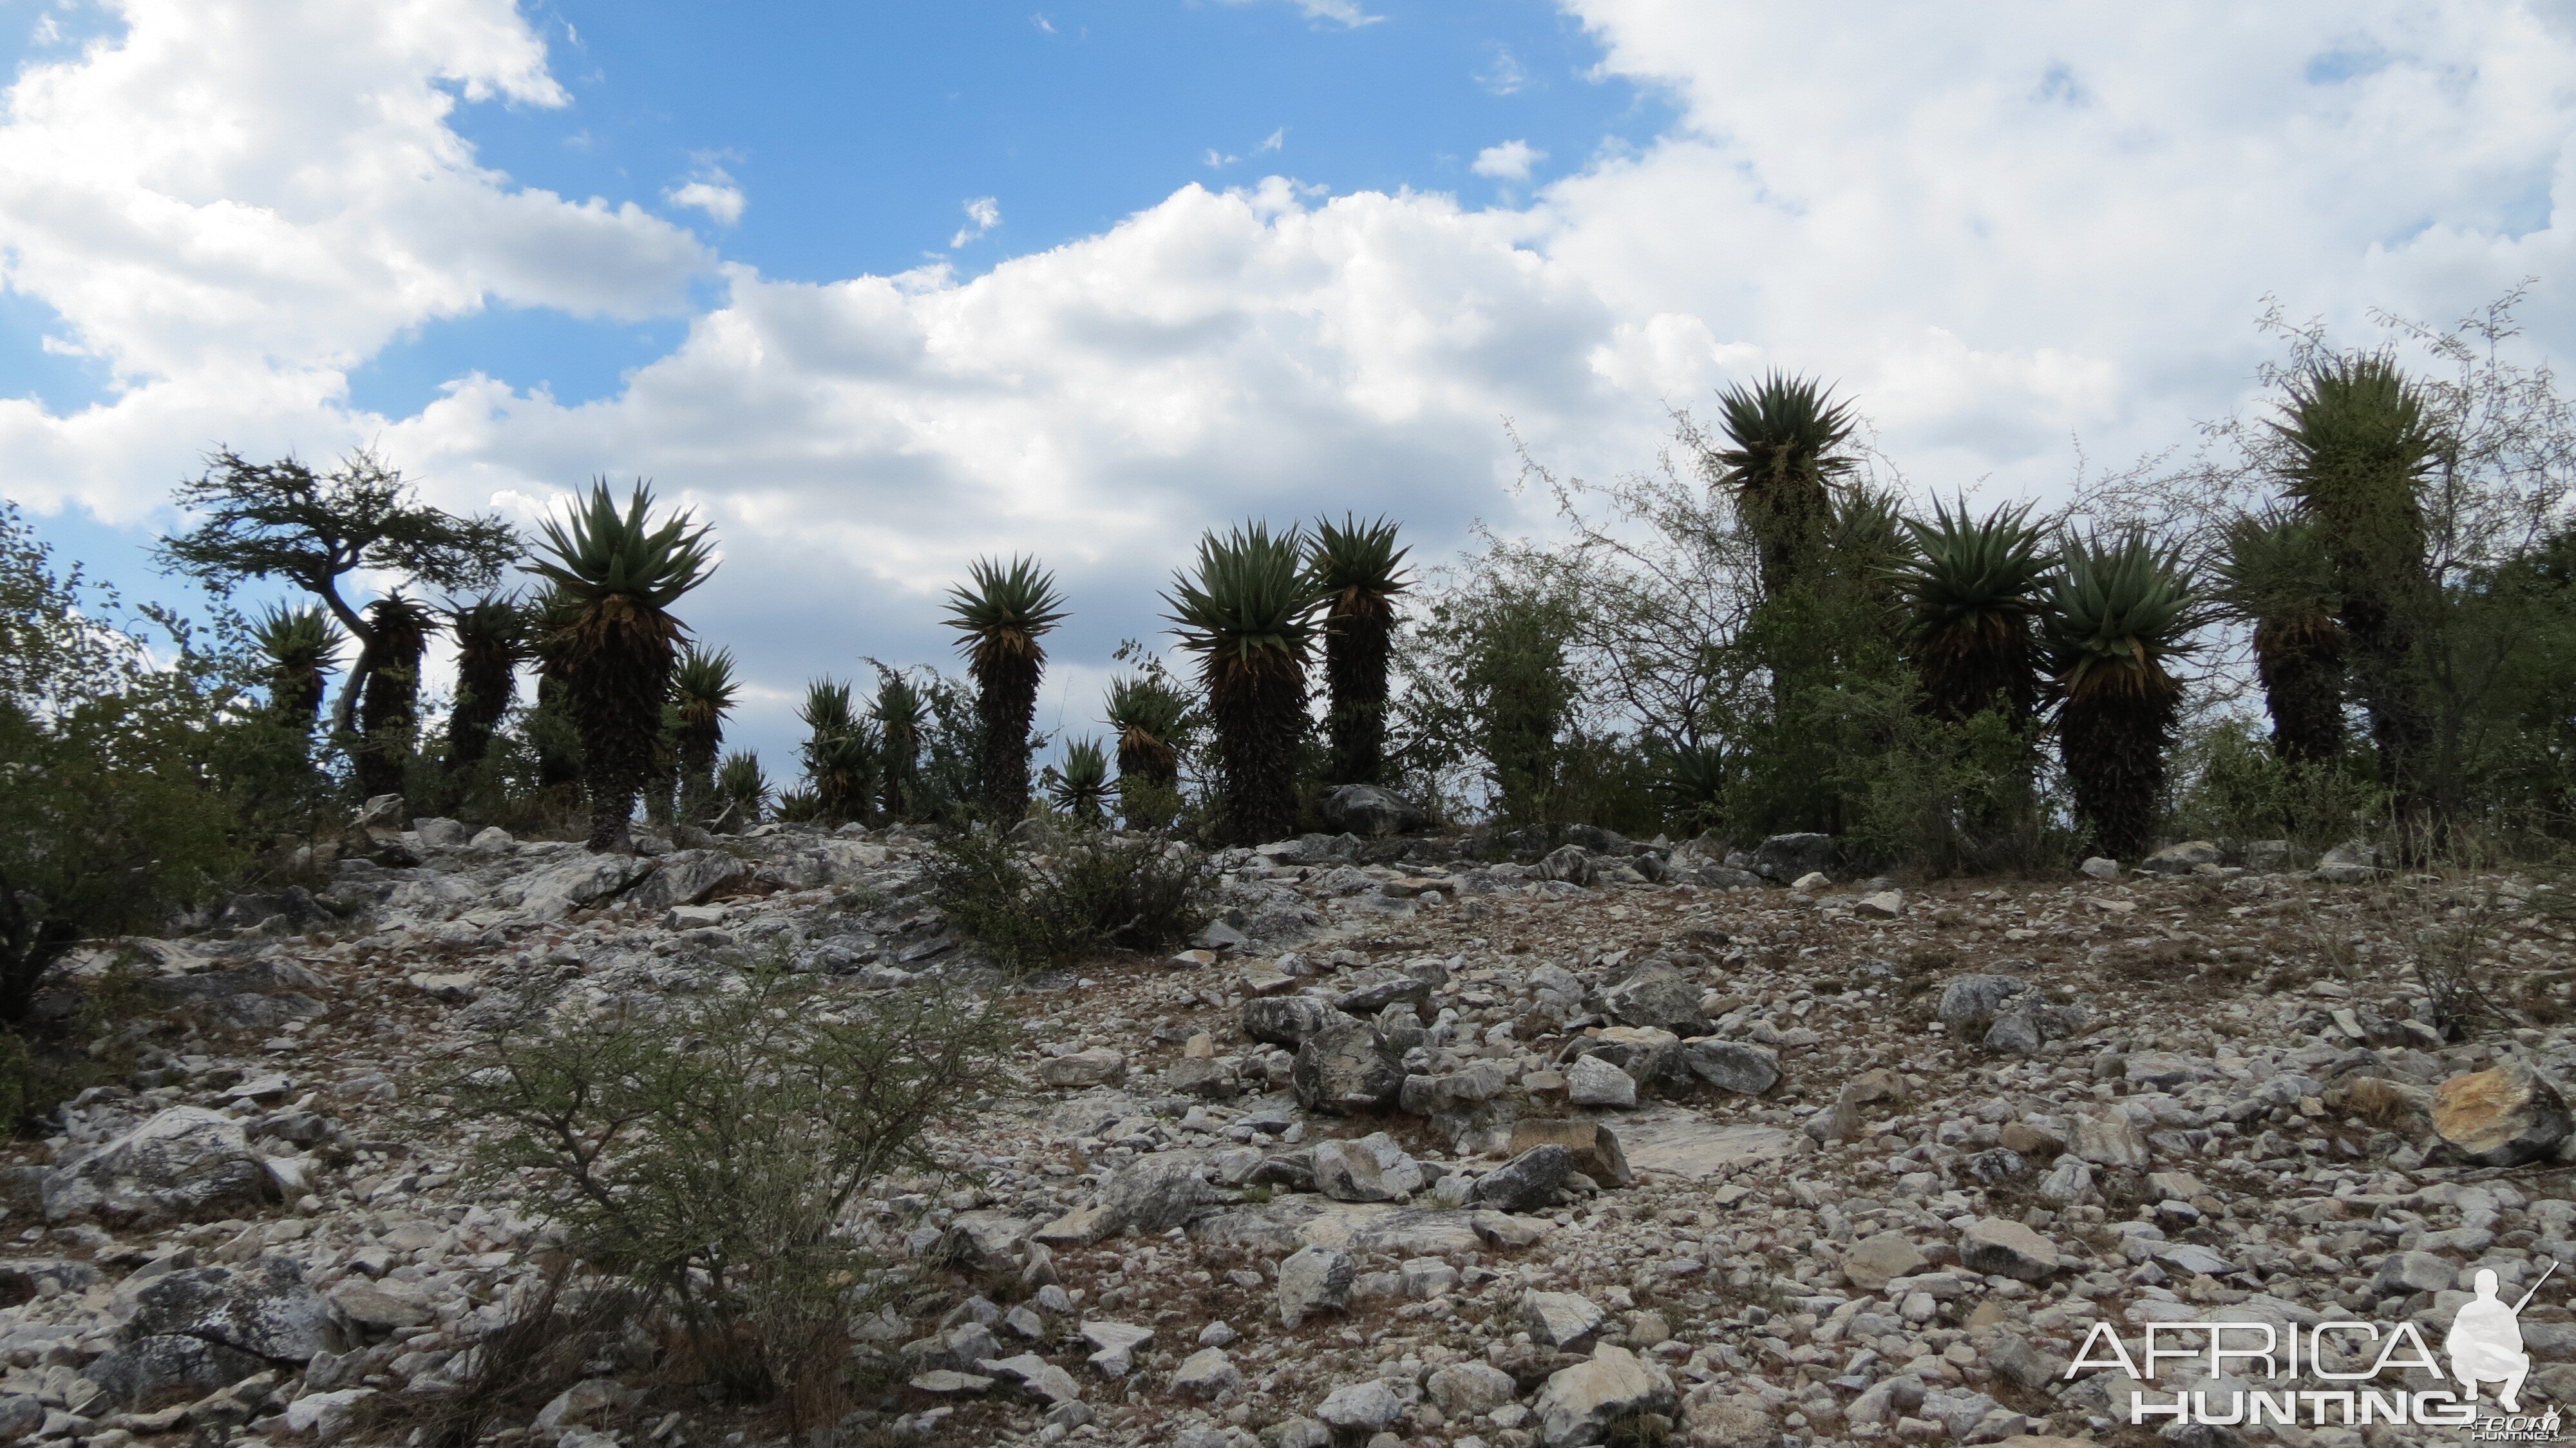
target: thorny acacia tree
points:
(284, 520)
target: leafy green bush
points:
(2242, 789)
(1069, 894)
(704, 1153)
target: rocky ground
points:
(1622, 1144)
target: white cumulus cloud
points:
(1510, 161)
(718, 197)
(983, 213)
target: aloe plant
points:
(702, 689)
(2119, 613)
(1785, 449)
(1971, 593)
(1080, 785)
(1000, 614)
(2274, 573)
(389, 706)
(1247, 612)
(1358, 570)
(614, 639)
(303, 648)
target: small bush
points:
(704, 1154)
(1071, 894)
(2242, 789)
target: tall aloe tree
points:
(1359, 572)
(1149, 716)
(1000, 614)
(615, 639)
(302, 646)
(840, 753)
(2119, 613)
(1970, 595)
(901, 714)
(389, 706)
(1785, 450)
(702, 692)
(1247, 612)
(2274, 573)
(491, 643)
(2359, 441)
(1080, 785)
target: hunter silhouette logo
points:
(2484, 1345)
(2486, 1342)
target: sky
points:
(877, 289)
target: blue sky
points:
(877, 289)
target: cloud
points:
(1339, 12)
(233, 202)
(1218, 160)
(983, 213)
(1042, 23)
(1502, 75)
(1276, 140)
(1510, 161)
(718, 198)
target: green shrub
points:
(704, 1153)
(1069, 894)
(2240, 788)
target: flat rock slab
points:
(1687, 1145)
(1301, 1219)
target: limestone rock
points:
(1367, 1407)
(1748, 1070)
(688, 877)
(1155, 1194)
(1097, 1066)
(1312, 1280)
(1370, 1169)
(1529, 1182)
(185, 1164)
(1207, 1373)
(1115, 1345)
(1784, 858)
(1875, 1261)
(1970, 1002)
(1371, 812)
(1591, 1081)
(1596, 1149)
(2181, 859)
(2505, 1116)
(1346, 1067)
(1287, 1020)
(1471, 1387)
(1565, 1320)
(2001, 1248)
(1580, 1403)
(2108, 1140)
(1656, 995)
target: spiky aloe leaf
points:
(1149, 717)
(1358, 571)
(1080, 784)
(826, 712)
(1248, 613)
(491, 641)
(743, 786)
(1785, 448)
(303, 649)
(1000, 614)
(597, 552)
(1692, 784)
(1970, 594)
